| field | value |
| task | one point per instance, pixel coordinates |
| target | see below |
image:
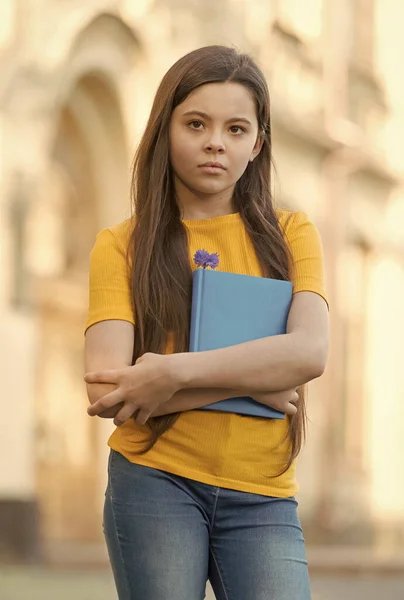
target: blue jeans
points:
(167, 535)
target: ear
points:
(257, 148)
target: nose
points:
(215, 144)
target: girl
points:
(196, 495)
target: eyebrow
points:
(207, 117)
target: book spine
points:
(196, 307)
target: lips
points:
(214, 165)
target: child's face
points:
(216, 123)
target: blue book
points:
(229, 309)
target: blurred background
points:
(76, 84)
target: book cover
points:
(229, 309)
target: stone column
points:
(19, 524)
(24, 134)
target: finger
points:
(105, 402)
(142, 416)
(289, 410)
(102, 377)
(125, 413)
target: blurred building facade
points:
(76, 84)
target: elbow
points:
(95, 391)
(316, 370)
(317, 362)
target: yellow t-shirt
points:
(220, 449)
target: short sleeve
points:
(109, 288)
(305, 244)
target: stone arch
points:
(86, 189)
(117, 37)
(90, 147)
(102, 56)
(87, 103)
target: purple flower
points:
(203, 259)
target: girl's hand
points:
(142, 388)
(283, 401)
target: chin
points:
(210, 187)
(210, 190)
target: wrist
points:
(180, 367)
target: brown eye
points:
(237, 129)
(195, 124)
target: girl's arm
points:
(109, 344)
(184, 400)
(284, 401)
(274, 363)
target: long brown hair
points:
(161, 275)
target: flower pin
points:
(203, 259)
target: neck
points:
(196, 205)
